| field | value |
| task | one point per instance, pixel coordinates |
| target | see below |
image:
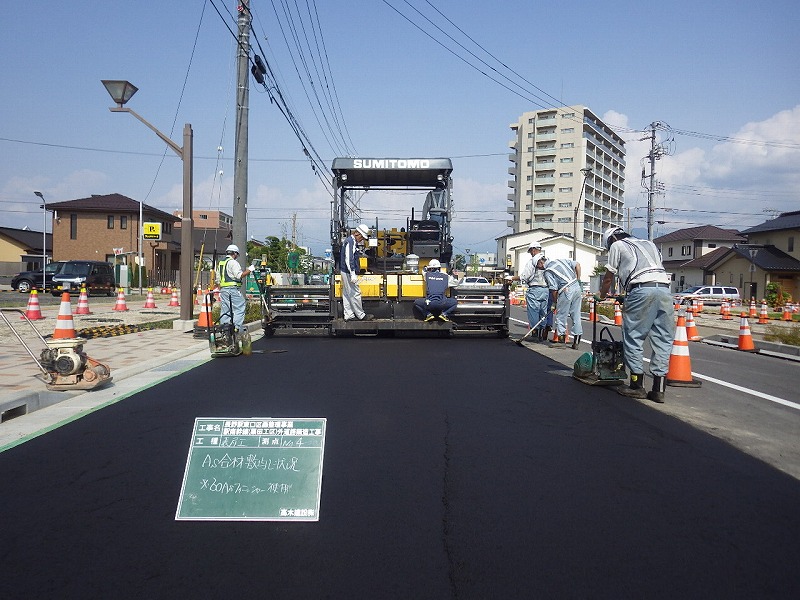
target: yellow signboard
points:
(151, 231)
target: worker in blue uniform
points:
(563, 277)
(436, 303)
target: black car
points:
(27, 280)
(96, 276)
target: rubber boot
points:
(635, 388)
(659, 387)
(576, 342)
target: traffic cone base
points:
(679, 373)
(65, 327)
(33, 311)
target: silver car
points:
(709, 294)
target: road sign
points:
(257, 469)
(151, 231)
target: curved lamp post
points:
(121, 91)
(586, 172)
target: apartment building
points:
(568, 174)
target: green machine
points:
(604, 364)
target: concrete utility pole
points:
(242, 116)
(652, 189)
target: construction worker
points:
(563, 277)
(435, 303)
(537, 295)
(348, 266)
(648, 309)
(230, 275)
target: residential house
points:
(682, 251)
(554, 245)
(212, 232)
(21, 250)
(106, 227)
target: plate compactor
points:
(604, 365)
(63, 364)
(223, 339)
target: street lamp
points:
(44, 238)
(586, 172)
(122, 91)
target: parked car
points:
(474, 281)
(98, 277)
(27, 280)
(709, 294)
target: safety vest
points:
(222, 271)
(562, 270)
(646, 259)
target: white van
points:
(709, 294)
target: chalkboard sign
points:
(258, 469)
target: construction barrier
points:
(34, 311)
(679, 373)
(65, 327)
(745, 337)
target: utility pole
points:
(242, 117)
(652, 187)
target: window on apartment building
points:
(530, 135)
(73, 227)
(203, 216)
(686, 250)
(528, 192)
(564, 204)
(568, 145)
(530, 163)
(567, 115)
(123, 222)
(568, 130)
(567, 159)
(529, 177)
(565, 219)
(565, 190)
(565, 174)
(790, 244)
(527, 207)
(530, 149)
(110, 222)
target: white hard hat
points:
(534, 245)
(614, 229)
(434, 264)
(363, 230)
(232, 248)
(537, 257)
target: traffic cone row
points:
(679, 373)
(150, 302)
(83, 303)
(65, 327)
(120, 305)
(173, 301)
(745, 337)
(33, 311)
(617, 313)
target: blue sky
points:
(722, 75)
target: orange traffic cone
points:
(763, 316)
(198, 297)
(34, 312)
(65, 328)
(725, 311)
(205, 314)
(745, 337)
(752, 308)
(691, 329)
(83, 303)
(592, 313)
(173, 301)
(787, 313)
(150, 302)
(679, 373)
(699, 306)
(617, 314)
(120, 305)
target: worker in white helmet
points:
(230, 275)
(348, 267)
(563, 277)
(436, 303)
(648, 309)
(537, 296)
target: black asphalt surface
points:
(453, 469)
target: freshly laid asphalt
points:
(453, 469)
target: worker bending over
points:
(563, 277)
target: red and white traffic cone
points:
(65, 327)
(617, 313)
(83, 303)
(34, 312)
(691, 329)
(745, 337)
(150, 302)
(763, 316)
(173, 301)
(120, 305)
